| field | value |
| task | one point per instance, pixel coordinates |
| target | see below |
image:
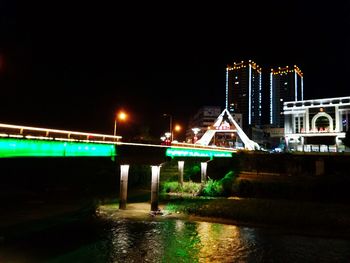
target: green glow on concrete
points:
(38, 148)
(183, 152)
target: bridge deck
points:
(24, 141)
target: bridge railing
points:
(199, 146)
(27, 132)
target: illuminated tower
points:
(286, 84)
(243, 92)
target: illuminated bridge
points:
(23, 141)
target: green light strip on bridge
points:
(182, 152)
(38, 148)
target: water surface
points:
(173, 240)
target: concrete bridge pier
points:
(181, 172)
(204, 166)
(124, 173)
(155, 187)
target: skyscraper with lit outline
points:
(243, 92)
(286, 84)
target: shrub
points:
(175, 187)
(222, 187)
(191, 187)
(227, 183)
(212, 188)
(170, 187)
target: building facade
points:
(286, 84)
(316, 125)
(243, 92)
(202, 119)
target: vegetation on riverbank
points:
(305, 203)
(330, 219)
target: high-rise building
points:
(286, 84)
(243, 92)
(202, 119)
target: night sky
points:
(71, 66)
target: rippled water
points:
(173, 241)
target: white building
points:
(316, 125)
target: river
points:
(170, 240)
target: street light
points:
(163, 138)
(122, 116)
(195, 131)
(177, 128)
(167, 136)
(171, 124)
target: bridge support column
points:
(124, 173)
(181, 172)
(155, 187)
(204, 172)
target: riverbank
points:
(291, 217)
(311, 218)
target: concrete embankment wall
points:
(322, 178)
(295, 164)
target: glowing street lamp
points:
(167, 138)
(167, 135)
(122, 116)
(195, 131)
(177, 128)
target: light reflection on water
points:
(127, 240)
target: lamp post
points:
(177, 128)
(167, 140)
(171, 125)
(121, 116)
(195, 131)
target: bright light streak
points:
(227, 89)
(271, 99)
(302, 88)
(296, 85)
(15, 136)
(250, 95)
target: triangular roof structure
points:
(226, 123)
